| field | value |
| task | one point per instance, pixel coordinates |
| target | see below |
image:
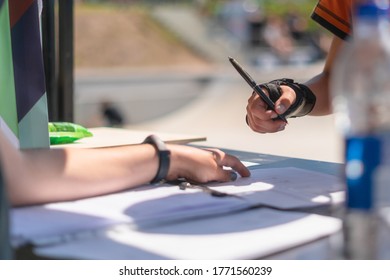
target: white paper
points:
(284, 188)
(252, 234)
(150, 206)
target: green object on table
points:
(66, 132)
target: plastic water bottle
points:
(360, 85)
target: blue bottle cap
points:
(372, 9)
(362, 157)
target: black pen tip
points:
(230, 58)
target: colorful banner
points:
(23, 101)
(8, 114)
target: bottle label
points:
(362, 157)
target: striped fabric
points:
(8, 115)
(22, 63)
(335, 15)
(5, 248)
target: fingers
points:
(258, 117)
(227, 176)
(265, 126)
(223, 159)
(262, 120)
(203, 165)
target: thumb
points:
(227, 176)
(286, 100)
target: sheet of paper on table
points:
(151, 206)
(252, 234)
(109, 137)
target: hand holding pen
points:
(256, 88)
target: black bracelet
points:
(164, 156)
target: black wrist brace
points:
(305, 98)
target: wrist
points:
(179, 162)
(304, 98)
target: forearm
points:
(320, 87)
(49, 175)
(57, 175)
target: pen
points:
(256, 88)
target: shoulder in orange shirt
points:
(335, 15)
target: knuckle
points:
(257, 128)
(203, 178)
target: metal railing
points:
(58, 52)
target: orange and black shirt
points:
(335, 15)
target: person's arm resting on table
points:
(47, 175)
